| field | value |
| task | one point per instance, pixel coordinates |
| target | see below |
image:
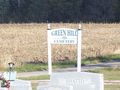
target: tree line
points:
(19, 11)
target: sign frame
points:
(63, 36)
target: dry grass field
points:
(27, 43)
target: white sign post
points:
(64, 36)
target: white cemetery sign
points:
(64, 36)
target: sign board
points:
(64, 36)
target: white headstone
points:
(20, 85)
(79, 80)
(10, 75)
(3, 88)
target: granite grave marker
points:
(20, 85)
(79, 80)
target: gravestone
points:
(3, 88)
(20, 85)
(10, 75)
(79, 80)
(39, 84)
(54, 87)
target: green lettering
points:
(64, 31)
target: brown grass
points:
(24, 43)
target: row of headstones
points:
(64, 81)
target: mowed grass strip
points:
(41, 77)
(63, 64)
(112, 87)
(109, 73)
(34, 86)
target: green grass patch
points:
(44, 66)
(109, 73)
(41, 77)
(66, 64)
(34, 86)
(31, 67)
(95, 60)
(112, 87)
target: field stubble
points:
(27, 43)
